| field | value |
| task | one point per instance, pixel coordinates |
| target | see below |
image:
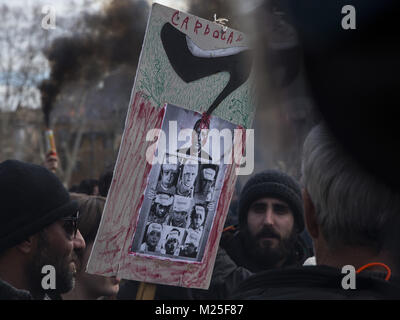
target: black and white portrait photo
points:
(167, 180)
(191, 246)
(172, 241)
(160, 208)
(187, 178)
(183, 189)
(197, 218)
(180, 212)
(206, 184)
(151, 240)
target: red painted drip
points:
(108, 271)
(205, 121)
(152, 119)
(109, 252)
(135, 220)
(132, 166)
(243, 138)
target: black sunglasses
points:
(71, 224)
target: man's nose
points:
(79, 242)
(269, 217)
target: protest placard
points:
(182, 142)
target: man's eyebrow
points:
(258, 203)
(281, 205)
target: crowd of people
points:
(349, 217)
(283, 239)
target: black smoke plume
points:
(111, 38)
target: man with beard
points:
(268, 236)
(353, 220)
(270, 221)
(39, 228)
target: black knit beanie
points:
(276, 184)
(31, 198)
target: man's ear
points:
(309, 215)
(27, 245)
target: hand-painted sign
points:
(169, 198)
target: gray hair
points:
(352, 207)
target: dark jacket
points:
(232, 241)
(225, 278)
(233, 265)
(315, 283)
(8, 292)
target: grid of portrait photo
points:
(180, 204)
(182, 192)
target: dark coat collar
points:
(8, 292)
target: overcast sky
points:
(67, 11)
(65, 7)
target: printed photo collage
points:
(181, 202)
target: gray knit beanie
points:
(276, 184)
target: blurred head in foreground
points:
(90, 286)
